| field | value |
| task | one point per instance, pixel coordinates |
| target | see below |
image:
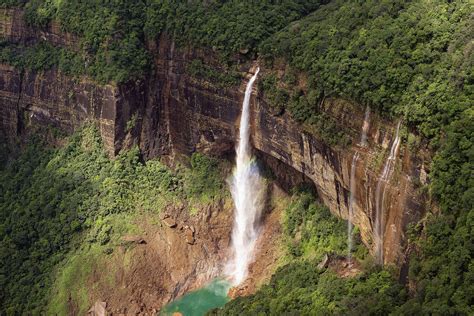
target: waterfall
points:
(365, 127)
(352, 183)
(247, 188)
(351, 204)
(380, 195)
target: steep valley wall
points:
(170, 114)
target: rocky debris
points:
(324, 263)
(189, 235)
(238, 291)
(98, 309)
(170, 222)
(345, 267)
(131, 239)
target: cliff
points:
(170, 114)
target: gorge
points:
(351, 179)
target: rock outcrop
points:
(170, 114)
(14, 29)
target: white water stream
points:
(352, 184)
(380, 195)
(248, 189)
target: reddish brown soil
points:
(345, 268)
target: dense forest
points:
(409, 60)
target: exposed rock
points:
(98, 309)
(170, 222)
(133, 239)
(189, 234)
(324, 263)
(14, 29)
(344, 267)
(238, 291)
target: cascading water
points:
(351, 204)
(247, 188)
(352, 184)
(380, 195)
(365, 127)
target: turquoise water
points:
(199, 302)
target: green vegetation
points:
(112, 46)
(302, 289)
(283, 94)
(55, 200)
(113, 33)
(319, 231)
(12, 3)
(385, 53)
(222, 78)
(226, 26)
(42, 57)
(443, 266)
(311, 231)
(72, 277)
(204, 179)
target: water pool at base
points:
(199, 302)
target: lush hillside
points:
(113, 34)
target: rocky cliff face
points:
(195, 116)
(14, 29)
(171, 114)
(330, 168)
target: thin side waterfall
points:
(247, 188)
(365, 127)
(380, 195)
(351, 204)
(352, 184)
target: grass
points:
(73, 278)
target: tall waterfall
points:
(247, 188)
(352, 184)
(380, 195)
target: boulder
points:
(171, 223)
(98, 309)
(133, 239)
(324, 263)
(189, 235)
